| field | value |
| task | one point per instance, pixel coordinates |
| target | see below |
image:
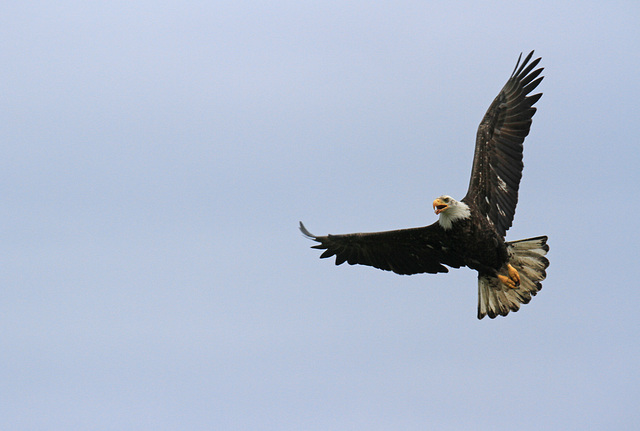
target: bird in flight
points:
(471, 231)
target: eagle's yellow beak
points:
(439, 206)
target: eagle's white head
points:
(450, 210)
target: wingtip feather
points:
(305, 232)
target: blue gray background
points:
(157, 156)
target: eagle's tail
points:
(527, 256)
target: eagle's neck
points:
(455, 212)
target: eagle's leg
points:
(513, 280)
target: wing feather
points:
(497, 162)
(404, 251)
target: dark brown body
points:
(478, 244)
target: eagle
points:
(470, 232)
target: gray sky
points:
(156, 159)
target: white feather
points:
(455, 211)
(528, 258)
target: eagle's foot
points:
(513, 274)
(513, 280)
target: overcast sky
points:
(156, 159)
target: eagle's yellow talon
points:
(513, 280)
(513, 274)
(507, 281)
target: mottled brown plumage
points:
(497, 163)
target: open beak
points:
(439, 206)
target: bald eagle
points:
(470, 232)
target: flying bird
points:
(471, 231)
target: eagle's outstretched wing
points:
(497, 163)
(404, 251)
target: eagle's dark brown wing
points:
(497, 163)
(404, 251)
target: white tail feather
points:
(527, 257)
